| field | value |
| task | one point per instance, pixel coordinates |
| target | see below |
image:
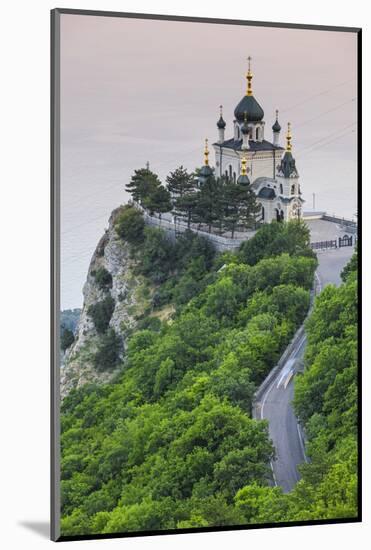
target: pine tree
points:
(210, 204)
(185, 206)
(180, 182)
(158, 200)
(142, 183)
(248, 208)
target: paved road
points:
(275, 403)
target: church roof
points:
(253, 145)
(243, 180)
(267, 193)
(221, 123)
(276, 126)
(288, 166)
(205, 171)
(249, 105)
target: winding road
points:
(274, 401)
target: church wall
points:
(259, 163)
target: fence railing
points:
(340, 242)
(341, 221)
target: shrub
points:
(107, 356)
(130, 225)
(149, 323)
(103, 278)
(67, 338)
(157, 255)
(101, 313)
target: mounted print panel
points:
(205, 274)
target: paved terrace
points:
(320, 230)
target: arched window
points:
(250, 133)
(226, 173)
(281, 188)
(230, 171)
(234, 177)
(282, 215)
(257, 134)
(293, 189)
(263, 213)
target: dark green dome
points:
(243, 180)
(205, 171)
(245, 127)
(249, 104)
(221, 123)
(276, 127)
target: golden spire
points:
(206, 153)
(243, 166)
(288, 138)
(249, 76)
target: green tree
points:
(103, 278)
(142, 184)
(67, 338)
(158, 200)
(130, 225)
(107, 355)
(210, 204)
(101, 313)
(180, 182)
(185, 206)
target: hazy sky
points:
(135, 90)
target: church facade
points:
(270, 168)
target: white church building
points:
(270, 168)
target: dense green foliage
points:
(274, 239)
(179, 269)
(146, 188)
(107, 355)
(130, 225)
(67, 338)
(170, 443)
(103, 278)
(326, 403)
(101, 313)
(215, 202)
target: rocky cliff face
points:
(131, 297)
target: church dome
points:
(245, 127)
(276, 127)
(221, 123)
(249, 104)
(243, 180)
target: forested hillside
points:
(170, 443)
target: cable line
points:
(325, 113)
(316, 95)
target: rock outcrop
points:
(131, 297)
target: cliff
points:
(131, 297)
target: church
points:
(268, 167)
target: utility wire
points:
(325, 113)
(316, 95)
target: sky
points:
(137, 90)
